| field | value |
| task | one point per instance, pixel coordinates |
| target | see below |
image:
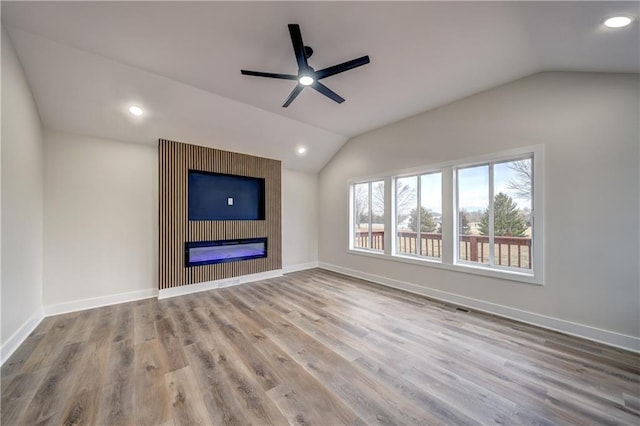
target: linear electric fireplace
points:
(221, 251)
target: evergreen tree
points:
(507, 220)
(427, 223)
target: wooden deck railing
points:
(508, 251)
(431, 243)
(362, 240)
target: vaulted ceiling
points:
(86, 62)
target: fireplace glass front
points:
(209, 252)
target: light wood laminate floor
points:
(312, 347)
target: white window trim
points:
(394, 219)
(491, 195)
(351, 203)
(449, 218)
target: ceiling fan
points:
(307, 76)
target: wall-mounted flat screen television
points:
(215, 196)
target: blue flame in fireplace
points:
(221, 251)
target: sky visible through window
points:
(431, 192)
(473, 186)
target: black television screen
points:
(215, 196)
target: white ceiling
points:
(87, 61)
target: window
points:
(367, 214)
(473, 199)
(480, 216)
(494, 214)
(418, 207)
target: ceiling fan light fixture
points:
(617, 21)
(135, 110)
(306, 80)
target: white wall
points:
(299, 220)
(588, 124)
(100, 221)
(22, 153)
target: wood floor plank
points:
(50, 396)
(257, 407)
(16, 361)
(319, 330)
(13, 411)
(44, 326)
(116, 400)
(123, 329)
(50, 346)
(187, 405)
(307, 405)
(179, 315)
(144, 323)
(116, 403)
(364, 395)
(311, 347)
(243, 347)
(221, 406)
(171, 343)
(299, 396)
(150, 395)
(17, 393)
(244, 374)
(81, 409)
(20, 386)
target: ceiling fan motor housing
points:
(307, 76)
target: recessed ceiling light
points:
(301, 150)
(305, 80)
(617, 21)
(135, 110)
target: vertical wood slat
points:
(175, 160)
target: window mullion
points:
(491, 218)
(355, 216)
(450, 236)
(354, 230)
(389, 227)
(370, 216)
(419, 228)
(394, 214)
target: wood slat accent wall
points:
(175, 161)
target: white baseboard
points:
(16, 339)
(606, 337)
(210, 285)
(299, 267)
(96, 302)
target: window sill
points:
(516, 276)
(370, 253)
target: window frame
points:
(394, 210)
(449, 228)
(491, 194)
(352, 215)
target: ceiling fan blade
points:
(345, 66)
(295, 92)
(269, 74)
(298, 46)
(327, 92)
